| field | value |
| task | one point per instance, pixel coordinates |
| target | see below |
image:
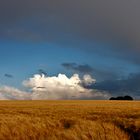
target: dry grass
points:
(69, 120)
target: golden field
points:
(70, 120)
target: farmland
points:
(70, 120)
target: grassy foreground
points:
(69, 120)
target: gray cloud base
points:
(52, 20)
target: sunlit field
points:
(70, 120)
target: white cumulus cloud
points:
(41, 87)
(62, 87)
(11, 93)
(88, 80)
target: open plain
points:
(70, 120)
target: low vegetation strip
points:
(69, 120)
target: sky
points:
(78, 49)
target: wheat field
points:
(70, 120)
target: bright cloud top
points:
(52, 88)
(61, 87)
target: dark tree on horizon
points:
(127, 97)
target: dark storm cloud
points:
(85, 68)
(106, 74)
(88, 15)
(79, 68)
(130, 85)
(53, 20)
